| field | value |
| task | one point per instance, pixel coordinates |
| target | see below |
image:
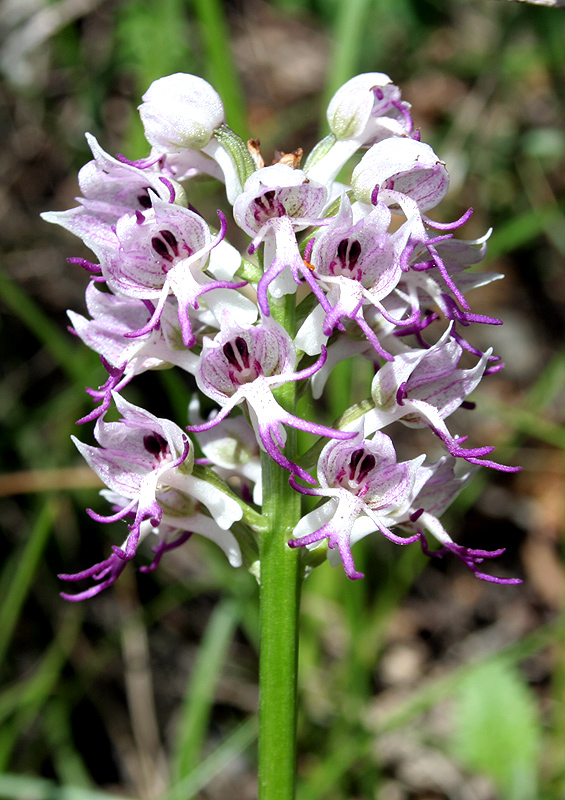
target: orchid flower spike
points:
(174, 292)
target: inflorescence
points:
(167, 289)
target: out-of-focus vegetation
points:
(418, 683)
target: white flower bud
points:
(355, 105)
(181, 111)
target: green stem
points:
(279, 603)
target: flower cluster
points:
(378, 279)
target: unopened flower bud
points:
(357, 101)
(181, 111)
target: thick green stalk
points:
(279, 603)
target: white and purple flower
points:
(244, 364)
(139, 457)
(276, 202)
(368, 490)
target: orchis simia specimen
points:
(379, 280)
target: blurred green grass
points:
(486, 80)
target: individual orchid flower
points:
(111, 188)
(359, 264)
(408, 176)
(113, 318)
(139, 456)
(368, 490)
(184, 120)
(365, 110)
(434, 497)
(134, 455)
(276, 202)
(246, 364)
(369, 108)
(163, 252)
(423, 387)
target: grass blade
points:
(23, 787)
(233, 746)
(200, 695)
(19, 586)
